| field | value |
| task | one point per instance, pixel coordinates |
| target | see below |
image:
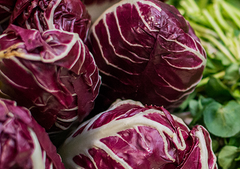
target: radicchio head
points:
(131, 135)
(51, 72)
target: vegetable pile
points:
(119, 84)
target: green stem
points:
(231, 12)
(235, 10)
(225, 39)
(187, 7)
(220, 18)
(236, 44)
(203, 3)
(220, 47)
(192, 11)
(193, 5)
(205, 80)
(202, 30)
(216, 27)
(210, 49)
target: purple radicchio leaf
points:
(68, 15)
(52, 72)
(130, 135)
(24, 143)
(146, 50)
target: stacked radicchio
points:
(130, 135)
(24, 143)
(51, 72)
(146, 51)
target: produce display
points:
(102, 84)
(24, 143)
(130, 135)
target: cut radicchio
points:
(130, 135)
(24, 143)
(52, 72)
(146, 50)
(68, 15)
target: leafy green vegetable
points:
(216, 101)
(197, 107)
(221, 119)
(218, 90)
(227, 156)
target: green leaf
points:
(217, 90)
(213, 66)
(222, 121)
(232, 72)
(215, 145)
(196, 108)
(237, 159)
(223, 57)
(227, 156)
(185, 104)
(234, 141)
(236, 93)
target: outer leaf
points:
(68, 15)
(146, 51)
(24, 143)
(53, 73)
(130, 135)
